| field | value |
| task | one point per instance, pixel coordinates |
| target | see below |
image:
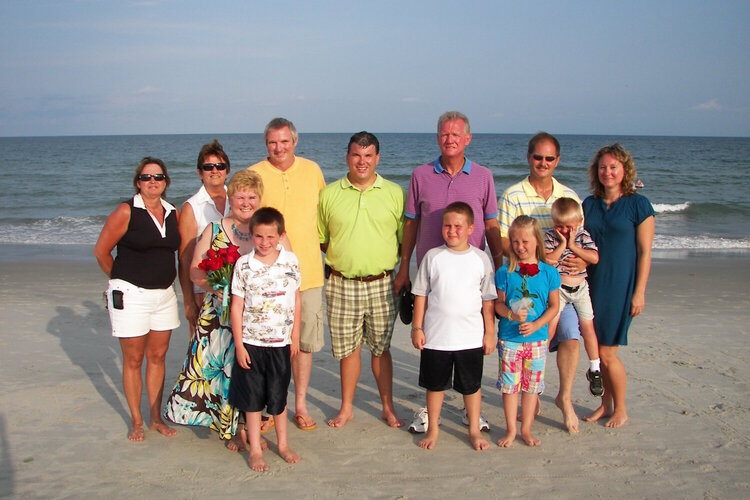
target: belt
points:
(365, 279)
(570, 289)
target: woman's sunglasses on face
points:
(207, 167)
(148, 177)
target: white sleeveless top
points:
(205, 213)
(204, 209)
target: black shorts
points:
(266, 384)
(436, 368)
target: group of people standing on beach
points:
(252, 279)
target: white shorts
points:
(142, 309)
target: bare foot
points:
(236, 443)
(478, 442)
(429, 441)
(137, 434)
(391, 419)
(530, 439)
(341, 419)
(507, 440)
(289, 456)
(256, 462)
(263, 444)
(618, 419)
(162, 429)
(569, 415)
(598, 413)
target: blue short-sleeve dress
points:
(612, 280)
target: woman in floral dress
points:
(199, 396)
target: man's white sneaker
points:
(420, 424)
(484, 425)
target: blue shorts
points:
(567, 327)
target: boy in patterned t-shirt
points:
(265, 326)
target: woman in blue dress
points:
(621, 222)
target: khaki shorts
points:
(580, 300)
(311, 326)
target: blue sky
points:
(117, 67)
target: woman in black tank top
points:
(140, 299)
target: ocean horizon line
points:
(516, 134)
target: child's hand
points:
(521, 315)
(417, 338)
(561, 237)
(526, 329)
(243, 358)
(571, 241)
(489, 342)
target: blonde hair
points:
(245, 179)
(565, 210)
(523, 222)
(628, 165)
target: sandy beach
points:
(63, 418)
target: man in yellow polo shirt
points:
(360, 224)
(292, 185)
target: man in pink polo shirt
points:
(434, 186)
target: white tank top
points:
(205, 213)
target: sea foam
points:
(664, 208)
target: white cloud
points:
(148, 89)
(710, 105)
(411, 99)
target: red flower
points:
(233, 253)
(528, 269)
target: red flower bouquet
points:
(219, 265)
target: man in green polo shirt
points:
(360, 224)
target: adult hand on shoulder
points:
(637, 303)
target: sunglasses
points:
(207, 167)
(548, 159)
(148, 177)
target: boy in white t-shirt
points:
(265, 326)
(453, 284)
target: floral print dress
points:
(200, 395)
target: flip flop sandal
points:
(302, 424)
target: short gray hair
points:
(279, 123)
(454, 115)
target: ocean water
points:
(58, 191)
